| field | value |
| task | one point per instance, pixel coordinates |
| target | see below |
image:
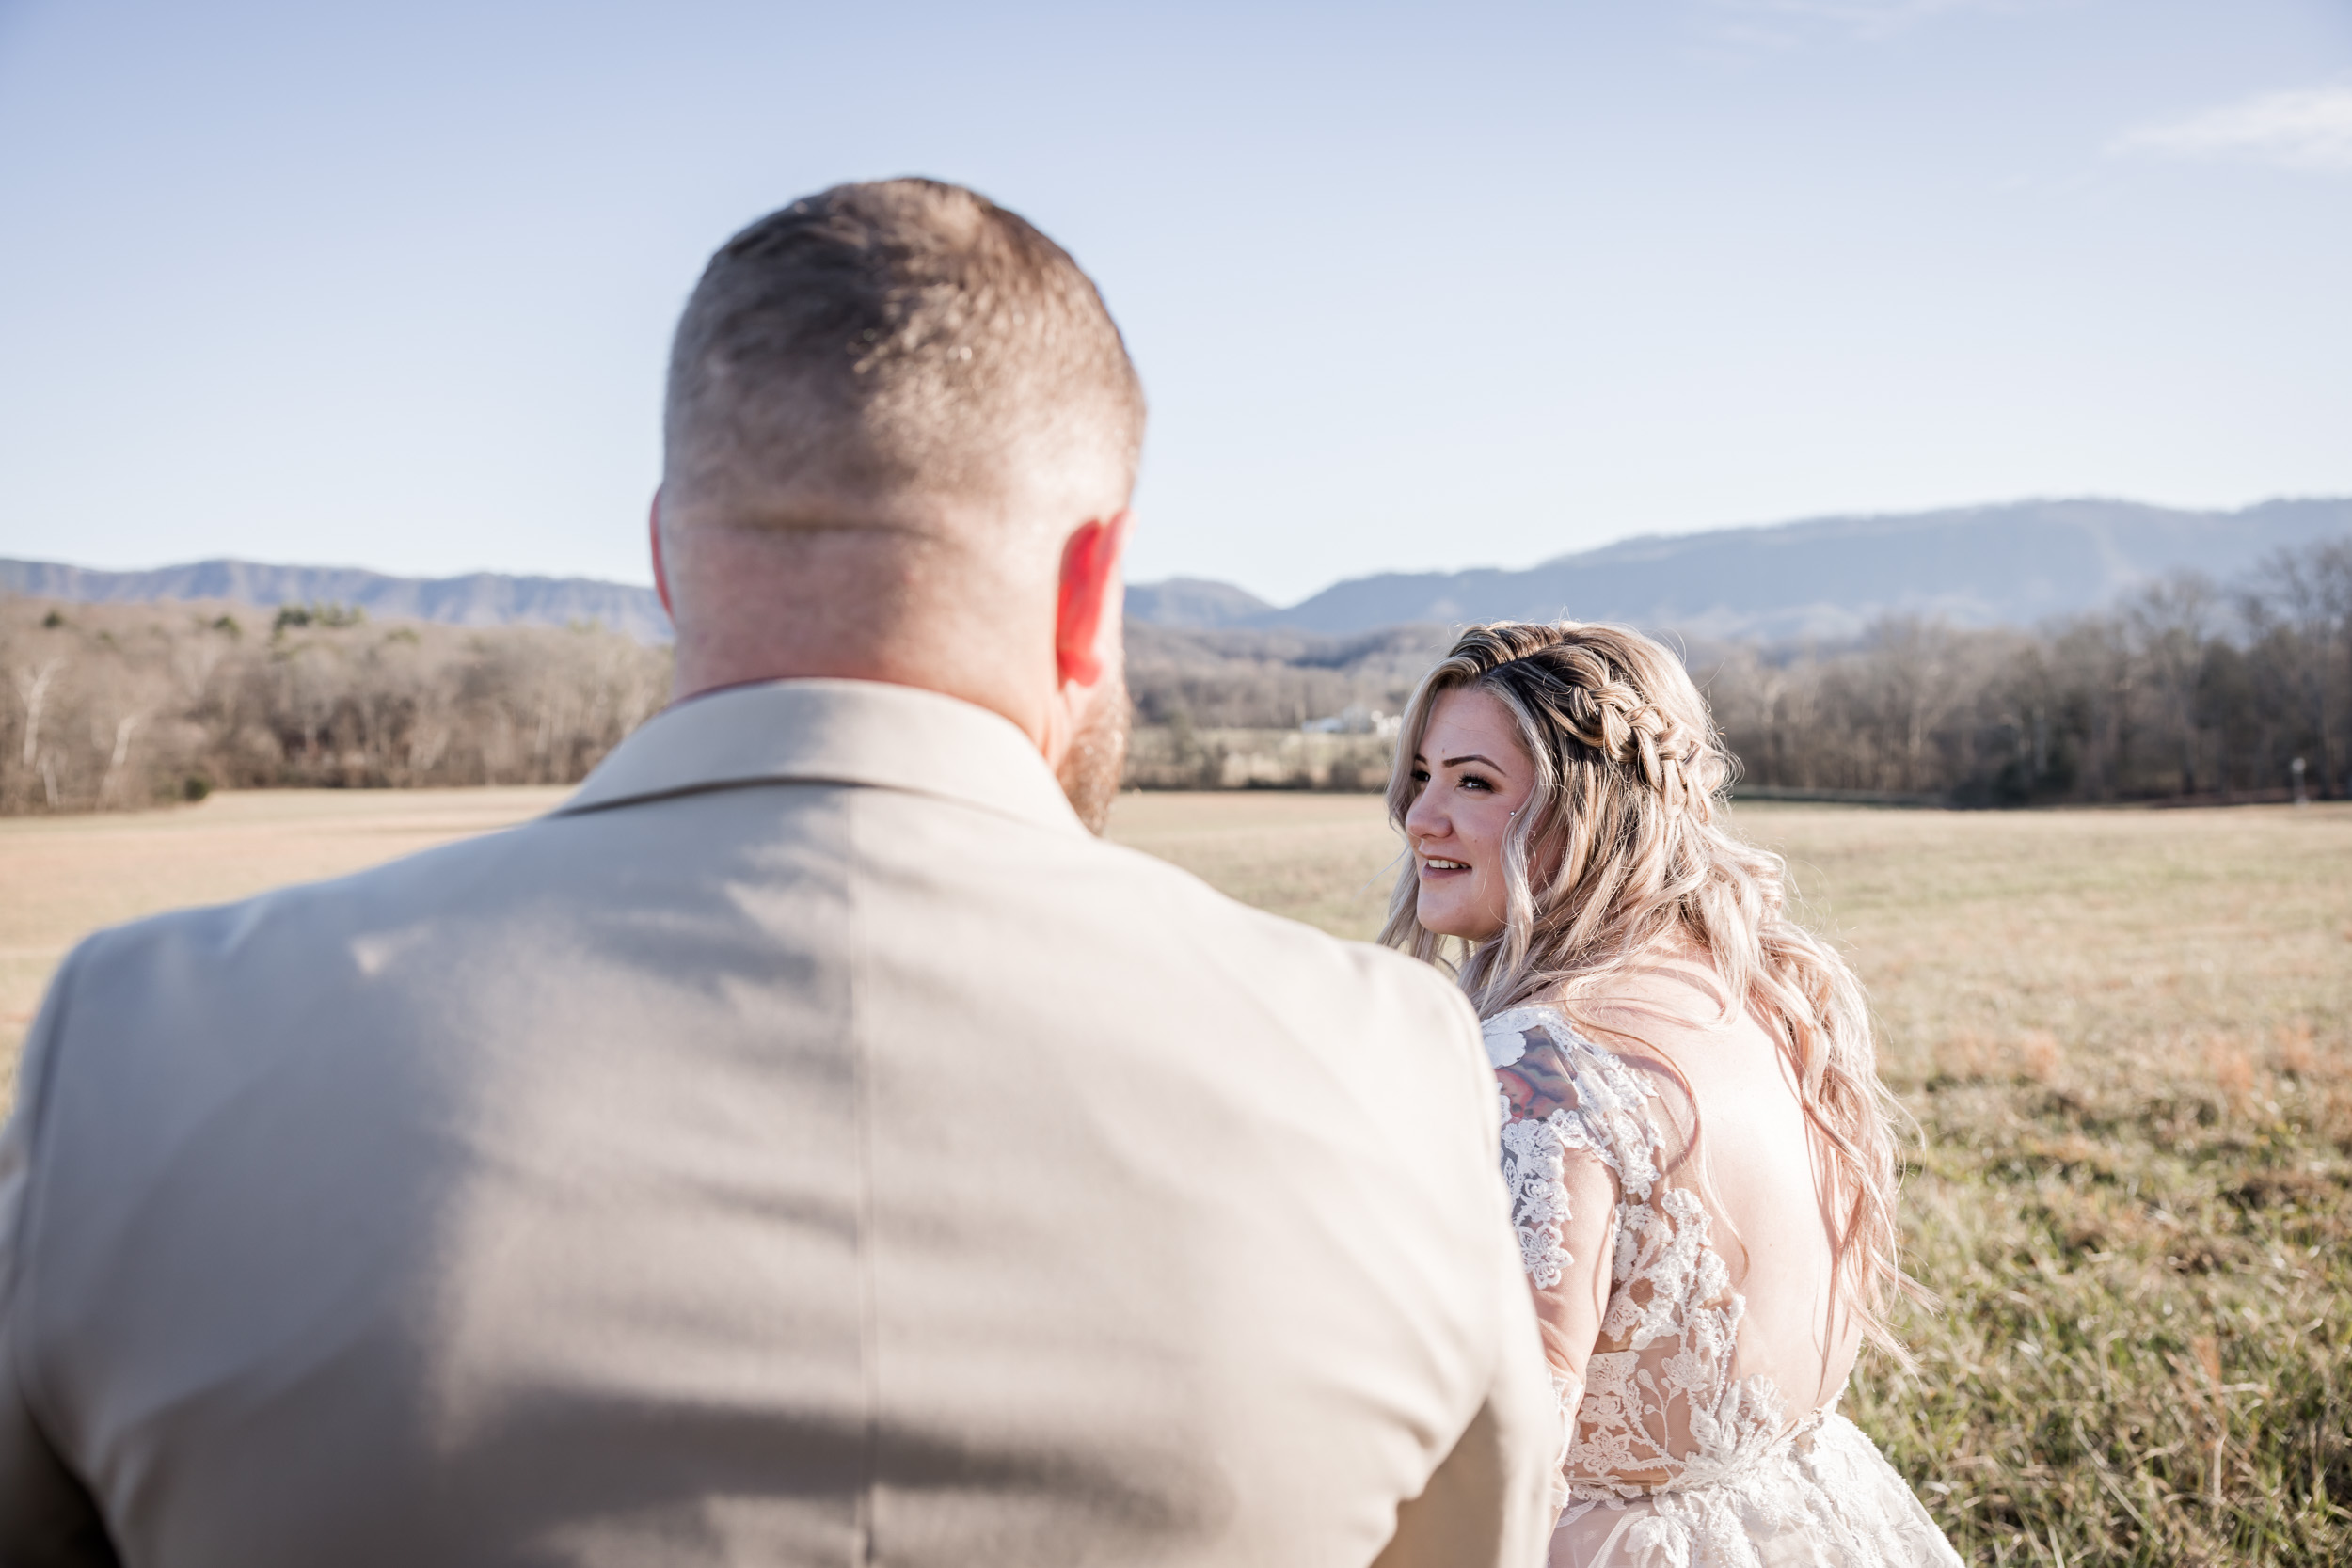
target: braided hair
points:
(1627, 850)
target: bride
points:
(1695, 1139)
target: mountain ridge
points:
(2015, 562)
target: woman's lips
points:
(1442, 867)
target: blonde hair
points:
(1627, 805)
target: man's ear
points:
(660, 573)
(1087, 605)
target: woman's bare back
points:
(1754, 1163)
(1670, 1201)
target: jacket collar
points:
(831, 732)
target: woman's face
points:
(1474, 777)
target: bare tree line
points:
(128, 706)
(1271, 680)
(2188, 689)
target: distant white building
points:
(1355, 718)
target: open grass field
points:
(2128, 1036)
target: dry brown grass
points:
(2128, 1038)
(1326, 860)
(2126, 1034)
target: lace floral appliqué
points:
(1686, 1464)
(1660, 1409)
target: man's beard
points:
(1098, 754)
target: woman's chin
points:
(1455, 923)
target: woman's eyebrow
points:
(1456, 762)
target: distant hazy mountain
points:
(481, 599)
(1831, 577)
(1195, 603)
(1986, 565)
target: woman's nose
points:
(1424, 820)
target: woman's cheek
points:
(1494, 897)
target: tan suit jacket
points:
(809, 1146)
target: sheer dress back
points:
(1684, 1450)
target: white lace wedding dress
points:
(1675, 1459)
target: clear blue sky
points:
(1409, 286)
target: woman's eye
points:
(1471, 781)
(1420, 775)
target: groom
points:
(810, 1145)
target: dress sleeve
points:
(1562, 1118)
(1570, 1151)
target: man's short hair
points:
(903, 338)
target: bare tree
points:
(2298, 597)
(2171, 624)
(32, 691)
